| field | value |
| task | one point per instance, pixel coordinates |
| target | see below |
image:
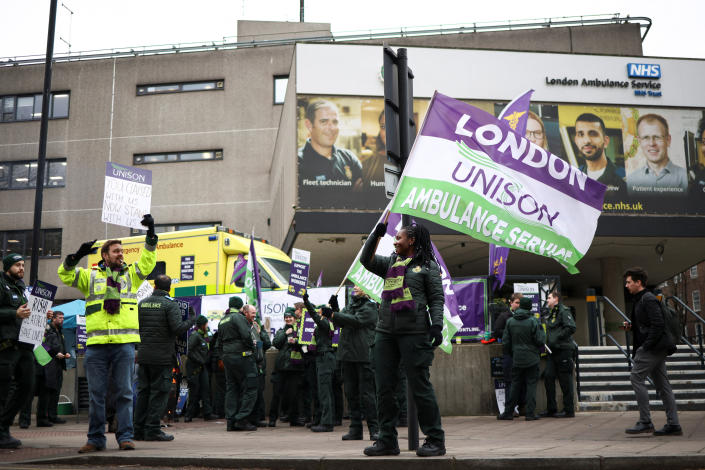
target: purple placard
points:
(306, 333)
(298, 279)
(128, 173)
(447, 116)
(184, 304)
(44, 290)
(81, 338)
(472, 303)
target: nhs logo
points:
(644, 70)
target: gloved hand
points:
(309, 306)
(86, 248)
(148, 221)
(435, 335)
(381, 230)
(333, 302)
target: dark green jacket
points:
(323, 332)
(560, 327)
(234, 336)
(11, 298)
(523, 336)
(263, 344)
(424, 283)
(357, 329)
(285, 361)
(197, 352)
(160, 324)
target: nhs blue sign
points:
(644, 70)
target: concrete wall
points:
(248, 30)
(462, 381)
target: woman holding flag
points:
(405, 334)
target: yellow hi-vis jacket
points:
(102, 327)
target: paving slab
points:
(591, 440)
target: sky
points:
(106, 24)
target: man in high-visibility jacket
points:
(112, 329)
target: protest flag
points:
(470, 172)
(252, 280)
(319, 281)
(239, 269)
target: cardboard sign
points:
(39, 302)
(298, 278)
(144, 291)
(127, 196)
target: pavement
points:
(594, 440)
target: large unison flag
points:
(470, 172)
(252, 283)
(373, 284)
(516, 113)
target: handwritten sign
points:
(127, 196)
(144, 291)
(298, 278)
(39, 302)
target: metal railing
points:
(628, 322)
(699, 349)
(413, 31)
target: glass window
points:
(52, 243)
(20, 176)
(694, 272)
(60, 105)
(20, 241)
(177, 156)
(4, 175)
(280, 84)
(56, 174)
(37, 114)
(696, 300)
(180, 87)
(8, 108)
(25, 107)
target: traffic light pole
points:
(400, 128)
(41, 160)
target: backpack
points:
(672, 321)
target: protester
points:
(357, 322)
(260, 336)
(197, 372)
(54, 370)
(112, 328)
(239, 353)
(498, 332)
(289, 367)
(523, 336)
(560, 327)
(412, 295)
(651, 347)
(160, 324)
(325, 364)
(308, 387)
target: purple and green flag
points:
(239, 269)
(252, 281)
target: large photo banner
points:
(651, 159)
(472, 173)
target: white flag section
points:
(470, 172)
(127, 196)
(373, 284)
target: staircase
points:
(605, 385)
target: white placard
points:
(144, 291)
(39, 302)
(127, 196)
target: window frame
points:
(219, 86)
(274, 88)
(34, 97)
(217, 156)
(49, 162)
(693, 271)
(4, 234)
(697, 307)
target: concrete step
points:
(613, 349)
(627, 385)
(602, 376)
(630, 405)
(627, 395)
(677, 357)
(622, 366)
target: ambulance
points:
(203, 261)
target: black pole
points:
(405, 125)
(301, 11)
(41, 163)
